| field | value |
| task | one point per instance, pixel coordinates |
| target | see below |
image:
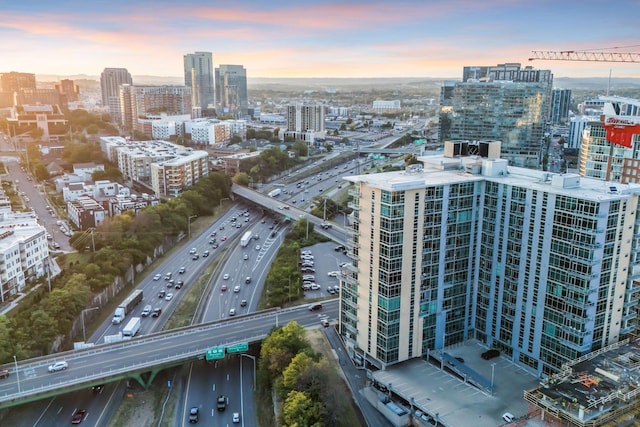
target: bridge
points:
(142, 358)
(336, 232)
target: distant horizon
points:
(346, 39)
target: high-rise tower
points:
(110, 82)
(231, 90)
(198, 75)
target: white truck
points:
(132, 328)
(275, 193)
(127, 305)
(246, 238)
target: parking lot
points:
(447, 395)
(325, 260)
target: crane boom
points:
(573, 55)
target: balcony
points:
(630, 315)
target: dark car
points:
(4, 373)
(222, 402)
(339, 248)
(156, 312)
(162, 293)
(182, 270)
(243, 303)
(78, 416)
(490, 354)
(179, 284)
(193, 415)
(97, 389)
(315, 307)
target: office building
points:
(110, 82)
(15, 82)
(198, 75)
(27, 118)
(69, 90)
(231, 90)
(506, 103)
(380, 106)
(540, 266)
(560, 105)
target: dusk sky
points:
(314, 38)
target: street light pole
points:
(15, 361)
(493, 367)
(254, 367)
(84, 336)
(189, 225)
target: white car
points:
(157, 277)
(257, 247)
(58, 366)
(236, 289)
(232, 312)
(193, 251)
(236, 417)
(333, 273)
(508, 417)
(168, 297)
(225, 277)
(245, 257)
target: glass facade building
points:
(540, 266)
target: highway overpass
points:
(336, 232)
(142, 358)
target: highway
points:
(110, 362)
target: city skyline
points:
(321, 39)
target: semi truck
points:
(131, 329)
(246, 238)
(275, 193)
(127, 305)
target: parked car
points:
(58, 366)
(490, 354)
(508, 417)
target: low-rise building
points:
(24, 253)
(85, 212)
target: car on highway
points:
(232, 312)
(168, 297)
(97, 389)
(157, 277)
(193, 415)
(182, 270)
(223, 288)
(4, 373)
(195, 257)
(226, 276)
(324, 322)
(58, 366)
(236, 417)
(146, 310)
(179, 284)
(162, 293)
(245, 257)
(193, 251)
(222, 402)
(257, 247)
(156, 312)
(170, 283)
(243, 303)
(315, 307)
(224, 238)
(236, 289)
(205, 254)
(247, 280)
(78, 416)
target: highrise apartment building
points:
(198, 75)
(69, 90)
(605, 160)
(305, 122)
(110, 82)
(506, 103)
(138, 102)
(231, 90)
(560, 103)
(540, 266)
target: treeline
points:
(121, 242)
(308, 389)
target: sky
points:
(314, 38)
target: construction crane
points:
(593, 55)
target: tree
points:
(300, 148)
(42, 174)
(299, 410)
(241, 178)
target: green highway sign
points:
(238, 348)
(214, 353)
